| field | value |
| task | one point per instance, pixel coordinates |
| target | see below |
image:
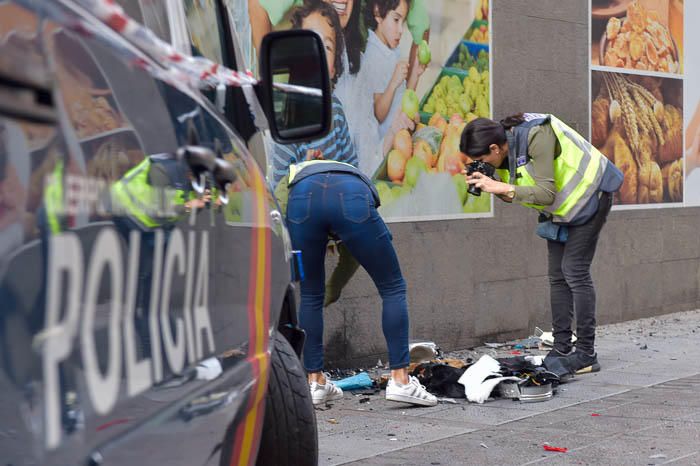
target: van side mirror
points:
(295, 85)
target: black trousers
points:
(571, 285)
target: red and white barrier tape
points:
(201, 72)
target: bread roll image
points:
(672, 149)
(648, 148)
(600, 121)
(628, 166)
(672, 174)
(650, 185)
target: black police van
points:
(147, 310)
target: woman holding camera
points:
(544, 164)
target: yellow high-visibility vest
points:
(578, 170)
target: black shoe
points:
(559, 364)
(583, 363)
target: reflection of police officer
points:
(155, 194)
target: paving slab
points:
(643, 408)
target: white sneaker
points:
(323, 393)
(413, 392)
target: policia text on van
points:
(142, 322)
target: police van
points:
(147, 307)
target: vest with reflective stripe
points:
(144, 202)
(53, 199)
(578, 170)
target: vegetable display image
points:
(479, 32)
(466, 96)
(637, 122)
(429, 156)
(420, 174)
(467, 58)
(408, 75)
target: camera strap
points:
(512, 156)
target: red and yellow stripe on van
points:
(248, 432)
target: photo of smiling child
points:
(387, 76)
(390, 99)
(322, 18)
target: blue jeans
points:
(342, 204)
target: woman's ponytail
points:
(513, 121)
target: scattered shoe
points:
(413, 392)
(321, 394)
(583, 363)
(559, 364)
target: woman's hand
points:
(488, 185)
(313, 154)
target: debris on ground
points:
(481, 378)
(356, 382)
(332, 421)
(440, 379)
(512, 370)
(528, 343)
(447, 400)
(547, 338)
(494, 345)
(423, 350)
(557, 449)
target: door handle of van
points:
(200, 160)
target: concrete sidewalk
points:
(647, 398)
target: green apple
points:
(384, 192)
(424, 53)
(409, 103)
(414, 167)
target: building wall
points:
(477, 280)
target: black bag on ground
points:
(440, 379)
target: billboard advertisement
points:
(692, 106)
(637, 96)
(407, 77)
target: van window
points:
(205, 28)
(151, 13)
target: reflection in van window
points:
(205, 29)
(151, 13)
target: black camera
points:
(481, 167)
